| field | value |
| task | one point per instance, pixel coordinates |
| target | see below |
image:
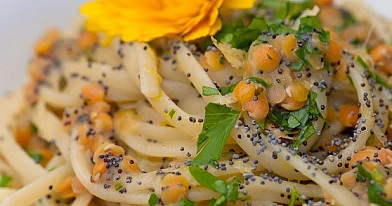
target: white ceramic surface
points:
(23, 21)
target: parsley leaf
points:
(238, 35)
(286, 9)
(229, 191)
(310, 24)
(373, 75)
(218, 123)
(5, 180)
(362, 62)
(312, 105)
(304, 135)
(294, 196)
(33, 128)
(153, 200)
(295, 9)
(298, 120)
(309, 28)
(171, 113)
(229, 89)
(209, 91)
(118, 186)
(258, 81)
(37, 157)
(185, 202)
(374, 189)
(62, 83)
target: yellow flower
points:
(145, 20)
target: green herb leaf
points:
(229, 191)
(171, 113)
(209, 91)
(118, 186)
(362, 62)
(218, 123)
(33, 128)
(212, 202)
(373, 75)
(297, 66)
(350, 79)
(280, 118)
(312, 105)
(185, 202)
(374, 189)
(301, 54)
(37, 157)
(62, 83)
(229, 89)
(294, 196)
(298, 120)
(309, 24)
(258, 24)
(304, 135)
(295, 9)
(208, 180)
(279, 28)
(258, 81)
(380, 81)
(377, 176)
(5, 180)
(153, 200)
(237, 35)
(286, 9)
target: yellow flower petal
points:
(238, 4)
(150, 19)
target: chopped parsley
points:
(171, 113)
(228, 191)
(185, 202)
(237, 35)
(294, 196)
(229, 89)
(218, 123)
(309, 27)
(298, 120)
(37, 157)
(241, 37)
(373, 75)
(286, 9)
(153, 200)
(209, 91)
(118, 186)
(310, 24)
(374, 190)
(62, 83)
(33, 128)
(5, 180)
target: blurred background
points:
(23, 21)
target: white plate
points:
(23, 21)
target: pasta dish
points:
(221, 102)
